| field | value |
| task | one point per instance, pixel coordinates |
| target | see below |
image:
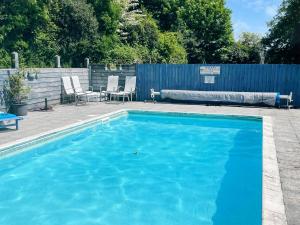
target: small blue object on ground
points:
(8, 117)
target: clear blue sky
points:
(252, 15)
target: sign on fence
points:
(210, 70)
(209, 79)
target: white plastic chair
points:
(112, 86)
(70, 92)
(129, 89)
(78, 89)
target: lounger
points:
(112, 86)
(6, 117)
(78, 89)
(129, 89)
(70, 92)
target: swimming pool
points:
(140, 168)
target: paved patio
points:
(286, 128)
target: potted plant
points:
(17, 93)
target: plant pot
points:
(19, 109)
(31, 76)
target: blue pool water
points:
(140, 169)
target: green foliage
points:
(108, 13)
(100, 53)
(15, 89)
(77, 30)
(154, 46)
(165, 12)
(23, 23)
(5, 59)
(247, 50)
(145, 33)
(147, 55)
(207, 29)
(167, 31)
(74, 29)
(283, 40)
(124, 54)
(170, 49)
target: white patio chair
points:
(129, 89)
(112, 86)
(78, 89)
(70, 92)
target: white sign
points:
(209, 79)
(210, 70)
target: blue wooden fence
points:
(249, 78)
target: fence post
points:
(262, 57)
(87, 62)
(57, 61)
(15, 60)
(88, 65)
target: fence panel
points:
(47, 85)
(99, 75)
(250, 78)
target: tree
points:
(124, 54)
(247, 50)
(108, 13)
(163, 31)
(25, 27)
(154, 46)
(170, 49)
(74, 29)
(207, 30)
(131, 17)
(77, 30)
(165, 12)
(283, 40)
(5, 60)
(146, 33)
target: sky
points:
(252, 15)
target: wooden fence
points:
(248, 78)
(47, 84)
(252, 78)
(100, 73)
